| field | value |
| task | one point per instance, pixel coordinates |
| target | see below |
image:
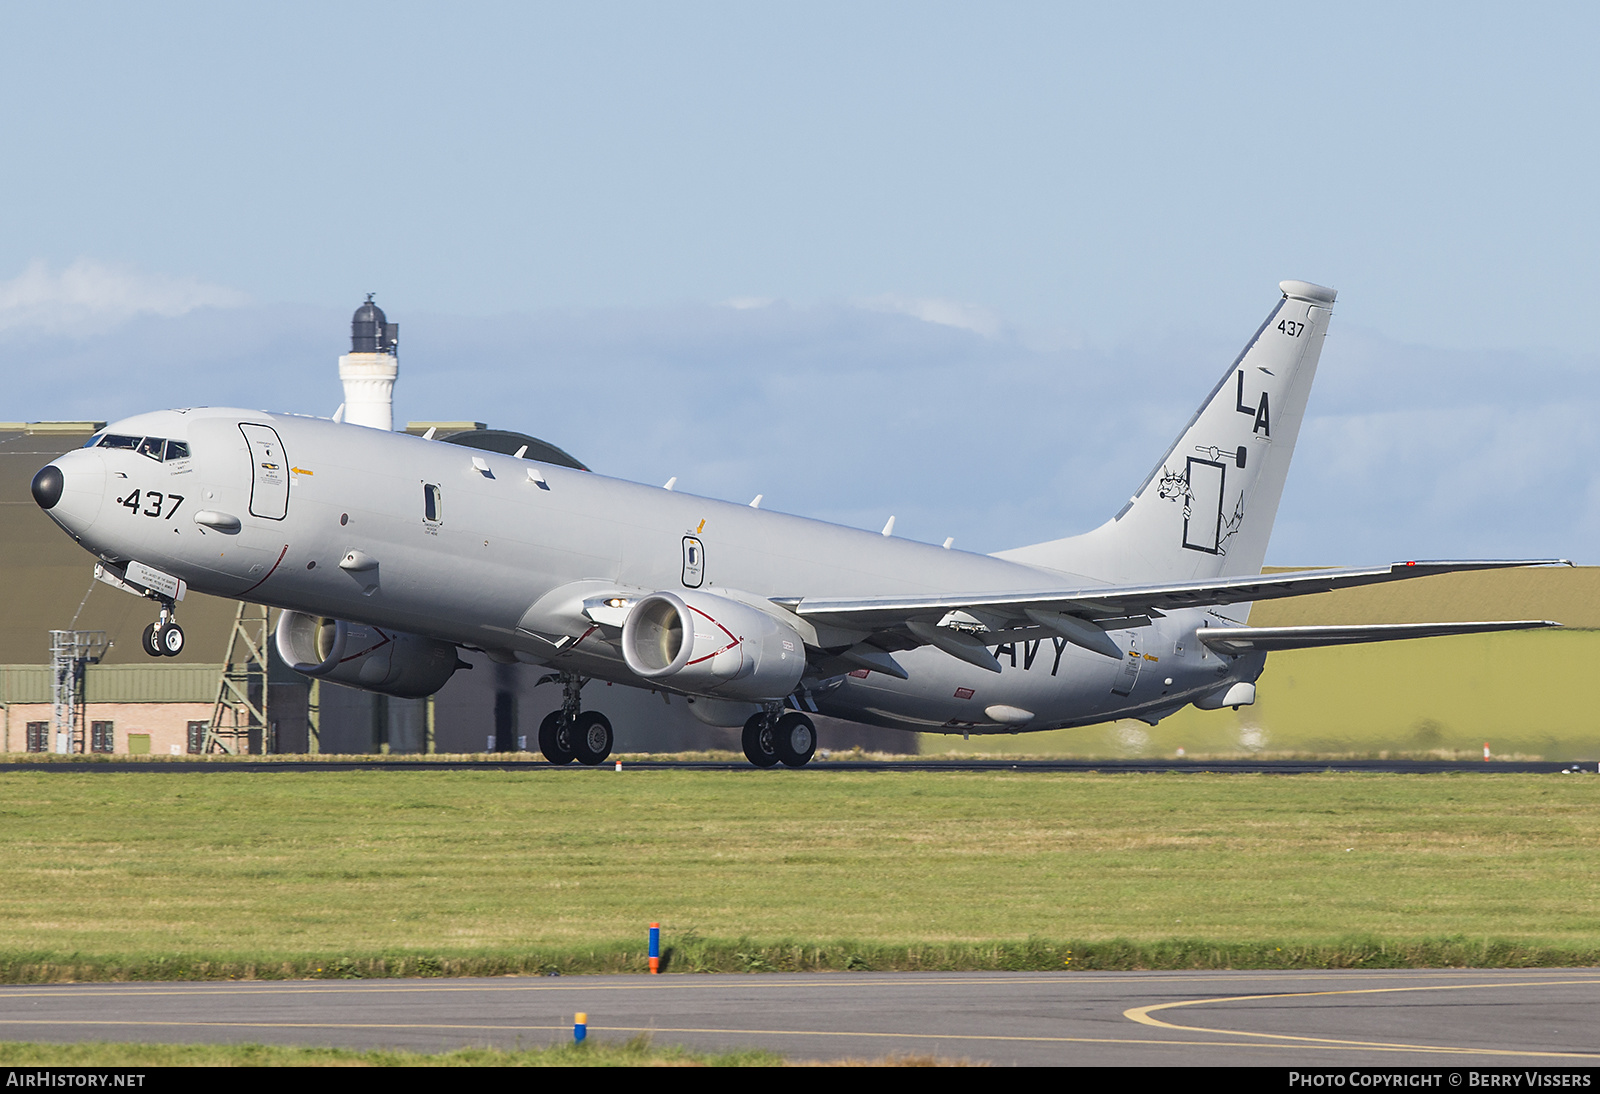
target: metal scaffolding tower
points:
(71, 654)
(239, 716)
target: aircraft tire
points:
(760, 742)
(795, 739)
(591, 737)
(148, 641)
(555, 739)
(170, 639)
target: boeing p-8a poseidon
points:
(389, 552)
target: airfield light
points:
(655, 949)
(580, 1027)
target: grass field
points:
(426, 873)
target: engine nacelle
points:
(407, 666)
(709, 645)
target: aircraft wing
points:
(1237, 640)
(1083, 614)
(1108, 602)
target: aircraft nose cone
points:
(71, 488)
(47, 486)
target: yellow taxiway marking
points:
(567, 1028)
(564, 1028)
(1143, 1016)
(1219, 1038)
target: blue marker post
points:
(655, 948)
(580, 1027)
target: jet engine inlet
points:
(654, 636)
(711, 645)
(407, 666)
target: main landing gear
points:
(572, 733)
(775, 736)
(163, 638)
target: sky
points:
(970, 265)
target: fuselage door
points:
(694, 562)
(269, 472)
(1128, 674)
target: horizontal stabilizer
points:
(1238, 640)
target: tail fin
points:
(1207, 509)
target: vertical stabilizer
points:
(1207, 509)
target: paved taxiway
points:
(533, 766)
(1544, 1017)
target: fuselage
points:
(461, 545)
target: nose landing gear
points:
(572, 733)
(164, 638)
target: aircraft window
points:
(177, 450)
(431, 508)
(95, 440)
(151, 446)
(114, 440)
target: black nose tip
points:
(47, 485)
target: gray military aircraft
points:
(389, 552)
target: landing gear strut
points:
(572, 733)
(771, 738)
(164, 638)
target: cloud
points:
(90, 297)
(946, 313)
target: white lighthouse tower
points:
(368, 371)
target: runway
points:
(1392, 1018)
(533, 765)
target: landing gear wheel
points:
(169, 636)
(591, 737)
(795, 739)
(555, 739)
(760, 743)
(148, 641)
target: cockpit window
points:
(157, 448)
